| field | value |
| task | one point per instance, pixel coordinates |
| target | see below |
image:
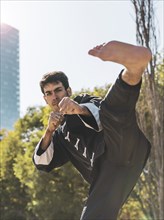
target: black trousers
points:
(116, 172)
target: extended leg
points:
(117, 171)
(110, 188)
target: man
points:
(100, 137)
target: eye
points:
(48, 93)
(59, 90)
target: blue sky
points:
(56, 35)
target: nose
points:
(54, 95)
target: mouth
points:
(54, 103)
(55, 107)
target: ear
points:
(69, 91)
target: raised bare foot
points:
(96, 51)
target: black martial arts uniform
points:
(108, 149)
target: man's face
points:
(53, 94)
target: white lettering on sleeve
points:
(62, 127)
(77, 142)
(92, 159)
(85, 152)
(67, 137)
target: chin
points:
(55, 108)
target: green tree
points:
(30, 194)
(13, 196)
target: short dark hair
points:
(52, 77)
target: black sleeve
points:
(56, 157)
(92, 120)
(120, 102)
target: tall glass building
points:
(9, 77)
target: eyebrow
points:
(60, 87)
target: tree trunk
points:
(146, 36)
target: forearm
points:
(46, 139)
(92, 117)
(83, 111)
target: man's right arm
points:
(46, 139)
(48, 152)
(54, 121)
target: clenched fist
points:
(69, 107)
(54, 121)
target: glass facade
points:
(9, 77)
